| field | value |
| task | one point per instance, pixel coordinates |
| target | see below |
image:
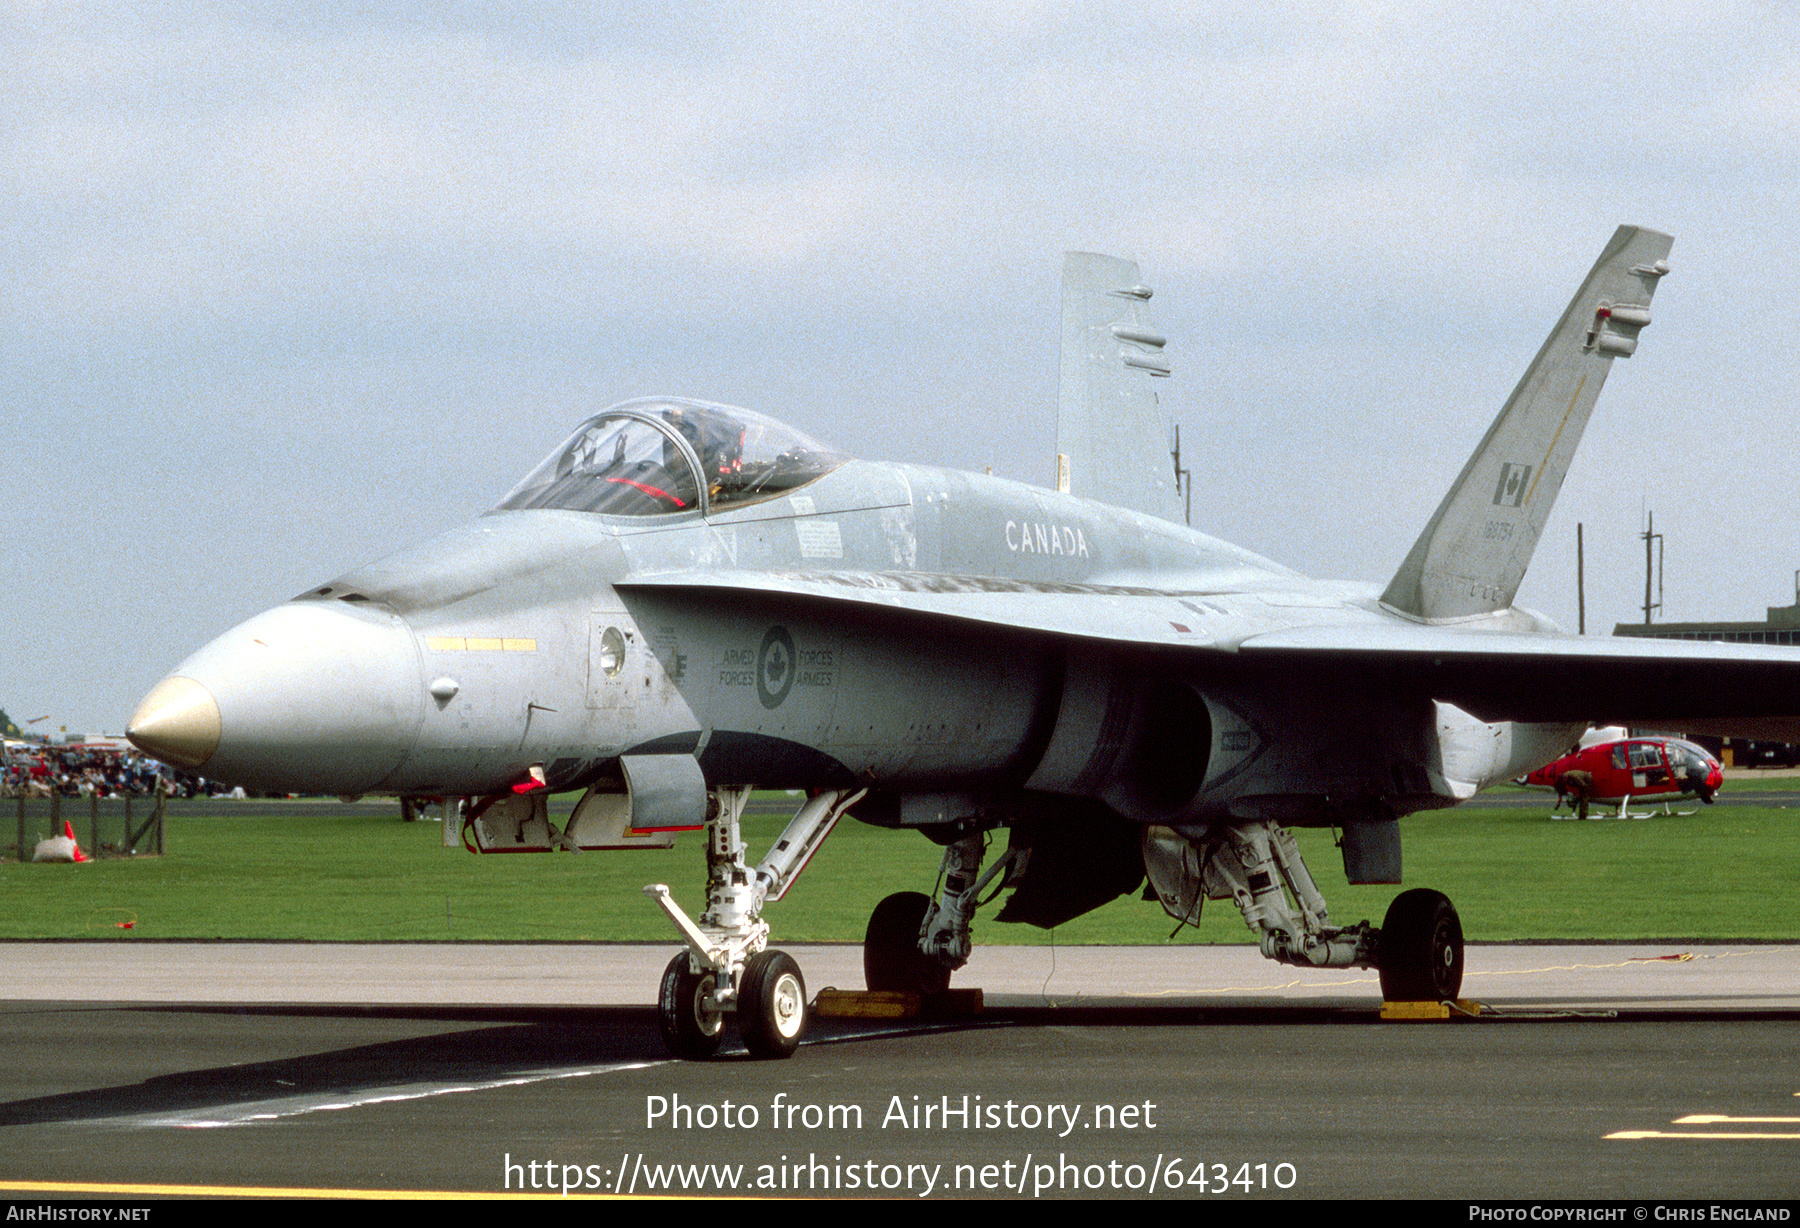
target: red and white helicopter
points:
(1622, 769)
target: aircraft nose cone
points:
(310, 697)
(178, 722)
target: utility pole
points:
(1652, 564)
(1580, 584)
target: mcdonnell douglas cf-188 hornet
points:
(686, 601)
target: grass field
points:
(1725, 873)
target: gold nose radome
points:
(178, 722)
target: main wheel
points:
(689, 1023)
(892, 961)
(771, 1004)
(1421, 948)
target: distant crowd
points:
(79, 771)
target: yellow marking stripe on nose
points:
(473, 643)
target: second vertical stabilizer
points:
(1109, 426)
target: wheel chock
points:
(875, 1004)
(1462, 1008)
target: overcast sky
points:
(288, 286)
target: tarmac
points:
(135, 1072)
(1694, 977)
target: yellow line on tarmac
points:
(1267, 986)
(1713, 1119)
(272, 1191)
(1641, 961)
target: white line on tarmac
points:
(250, 1112)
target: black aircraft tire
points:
(1421, 948)
(892, 961)
(771, 1005)
(688, 1026)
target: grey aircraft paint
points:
(686, 600)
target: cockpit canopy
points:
(647, 458)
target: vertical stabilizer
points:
(1109, 424)
(1473, 554)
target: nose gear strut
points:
(726, 965)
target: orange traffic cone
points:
(69, 831)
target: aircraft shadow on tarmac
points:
(501, 1043)
(505, 1044)
(511, 1043)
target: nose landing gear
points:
(727, 966)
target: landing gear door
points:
(604, 821)
(668, 792)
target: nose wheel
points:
(770, 999)
(771, 1005)
(689, 1020)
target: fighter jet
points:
(687, 601)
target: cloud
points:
(417, 239)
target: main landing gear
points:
(1257, 865)
(1421, 948)
(913, 943)
(727, 966)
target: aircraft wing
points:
(1744, 690)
